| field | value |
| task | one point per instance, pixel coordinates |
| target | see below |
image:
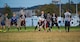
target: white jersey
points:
(23, 17)
(67, 16)
(40, 18)
(54, 18)
(42, 15)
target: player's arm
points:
(70, 17)
(56, 18)
(25, 16)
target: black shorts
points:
(23, 23)
(14, 23)
(3, 23)
(54, 23)
(42, 22)
(67, 23)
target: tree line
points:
(55, 8)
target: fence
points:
(32, 21)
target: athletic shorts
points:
(14, 23)
(47, 24)
(67, 23)
(2, 23)
(23, 23)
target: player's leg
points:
(58, 27)
(3, 25)
(1, 28)
(52, 24)
(47, 26)
(11, 24)
(36, 27)
(4, 28)
(68, 26)
(21, 25)
(43, 25)
(24, 25)
(15, 23)
(8, 25)
(49, 29)
(40, 28)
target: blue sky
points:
(29, 3)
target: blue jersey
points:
(13, 19)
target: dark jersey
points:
(13, 19)
(39, 23)
(54, 18)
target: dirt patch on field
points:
(40, 36)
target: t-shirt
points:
(67, 16)
(48, 17)
(54, 18)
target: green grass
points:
(29, 29)
(29, 35)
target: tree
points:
(7, 10)
(51, 8)
(79, 8)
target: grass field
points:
(29, 35)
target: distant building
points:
(18, 11)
